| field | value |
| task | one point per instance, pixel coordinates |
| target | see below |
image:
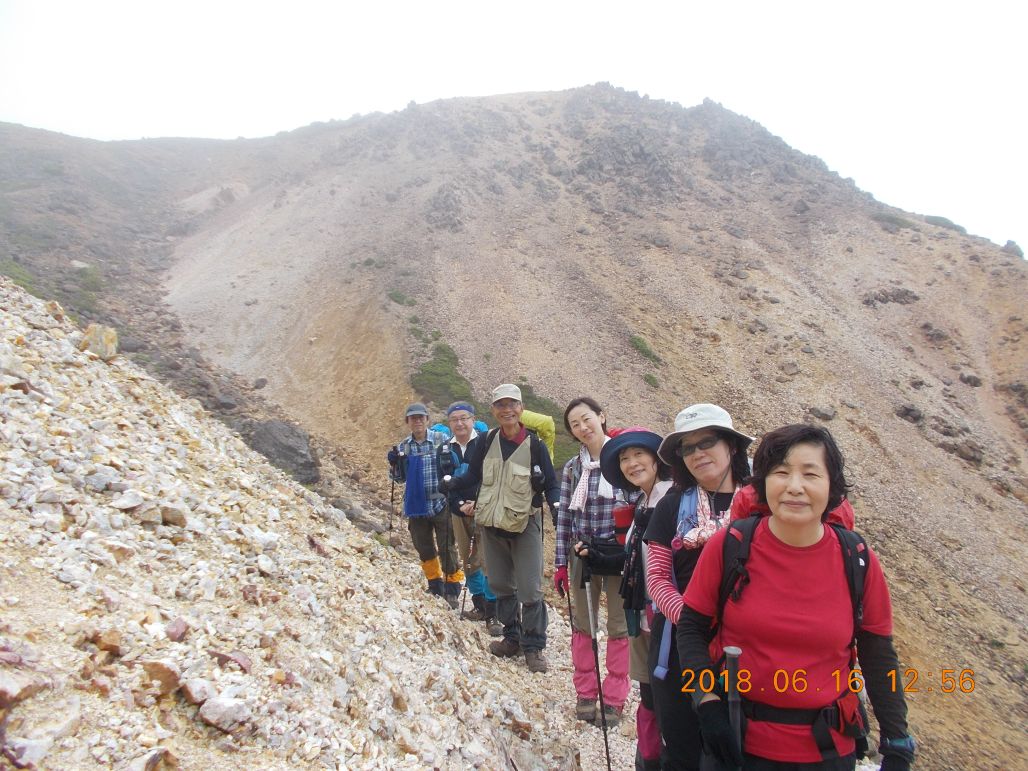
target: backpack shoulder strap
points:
(734, 553)
(490, 436)
(535, 444)
(854, 558)
(447, 458)
(683, 504)
(576, 471)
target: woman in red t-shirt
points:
(794, 623)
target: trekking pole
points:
(571, 620)
(444, 548)
(392, 502)
(732, 654)
(586, 576)
(471, 550)
(537, 481)
(392, 485)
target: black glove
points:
(392, 456)
(553, 513)
(445, 484)
(717, 733)
(897, 754)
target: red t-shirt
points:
(795, 614)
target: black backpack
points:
(734, 575)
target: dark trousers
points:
(426, 532)
(679, 725)
(515, 565)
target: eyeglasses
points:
(468, 419)
(685, 450)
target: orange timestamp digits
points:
(950, 680)
(706, 681)
(795, 681)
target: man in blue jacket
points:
(415, 461)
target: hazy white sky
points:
(923, 104)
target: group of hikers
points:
(755, 620)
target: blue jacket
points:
(459, 462)
(421, 473)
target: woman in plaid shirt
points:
(587, 503)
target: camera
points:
(397, 462)
(537, 479)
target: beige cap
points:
(506, 391)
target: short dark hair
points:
(588, 402)
(740, 466)
(775, 445)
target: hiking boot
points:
(612, 714)
(494, 627)
(477, 613)
(585, 709)
(504, 648)
(535, 661)
(435, 586)
(451, 593)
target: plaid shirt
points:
(597, 521)
(427, 448)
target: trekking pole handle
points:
(732, 654)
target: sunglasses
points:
(685, 450)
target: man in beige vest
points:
(514, 471)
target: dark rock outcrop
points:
(288, 447)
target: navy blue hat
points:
(610, 455)
(466, 406)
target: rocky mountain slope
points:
(589, 241)
(169, 598)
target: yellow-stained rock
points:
(101, 341)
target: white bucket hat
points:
(693, 419)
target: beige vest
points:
(505, 497)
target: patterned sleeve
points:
(564, 517)
(660, 581)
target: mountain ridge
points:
(537, 235)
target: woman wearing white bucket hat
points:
(708, 463)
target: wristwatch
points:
(904, 747)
